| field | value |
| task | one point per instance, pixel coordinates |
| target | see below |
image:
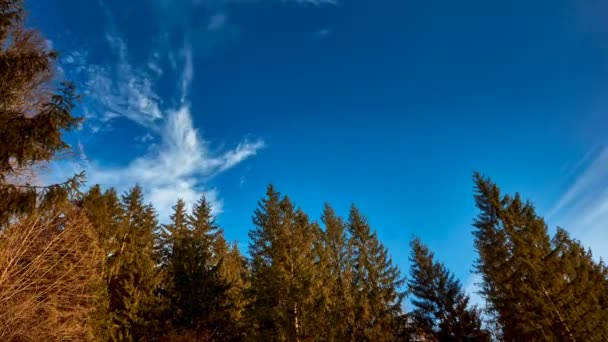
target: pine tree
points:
(441, 306)
(132, 271)
(376, 284)
(536, 287)
(32, 119)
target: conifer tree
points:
(233, 273)
(132, 271)
(226, 264)
(337, 312)
(534, 285)
(199, 304)
(376, 284)
(33, 117)
(104, 211)
(441, 306)
(282, 271)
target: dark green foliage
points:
(440, 305)
(199, 302)
(537, 288)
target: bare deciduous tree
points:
(50, 272)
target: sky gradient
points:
(391, 105)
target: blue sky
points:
(391, 105)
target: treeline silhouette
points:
(92, 265)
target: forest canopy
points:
(92, 264)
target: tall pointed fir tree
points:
(199, 305)
(171, 252)
(207, 250)
(33, 118)
(104, 211)
(376, 284)
(282, 271)
(233, 273)
(336, 311)
(534, 285)
(441, 308)
(132, 271)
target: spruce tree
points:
(104, 211)
(537, 288)
(441, 306)
(233, 273)
(376, 284)
(199, 303)
(132, 278)
(337, 304)
(32, 119)
(263, 311)
(282, 271)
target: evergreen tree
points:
(233, 272)
(132, 271)
(282, 271)
(376, 284)
(534, 285)
(263, 309)
(104, 211)
(199, 304)
(337, 312)
(226, 264)
(441, 306)
(210, 235)
(32, 119)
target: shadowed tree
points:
(199, 304)
(440, 305)
(34, 114)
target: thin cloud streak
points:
(583, 208)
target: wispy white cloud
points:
(188, 72)
(180, 166)
(179, 163)
(120, 90)
(583, 207)
(145, 138)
